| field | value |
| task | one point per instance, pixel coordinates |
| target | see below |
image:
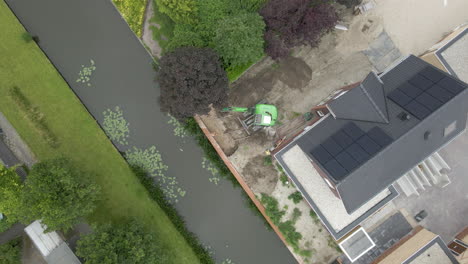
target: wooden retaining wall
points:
(243, 183)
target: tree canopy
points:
(11, 189)
(239, 39)
(120, 244)
(180, 11)
(296, 22)
(58, 193)
(191, 80)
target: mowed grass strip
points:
(25, 66)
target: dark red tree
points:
(296, 22)
(191, 80)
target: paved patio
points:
(447, 207)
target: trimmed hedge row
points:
(157, 195)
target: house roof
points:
(366, 102)
(363, 158)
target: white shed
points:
(51, 245)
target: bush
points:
(10, 253)
(314, 216)
(6, 223)
(133, 12)
(180, 11)
(295, 22)
(157, 195)
(26, 37)
(296, 197)
(35, 116)
(239, 39)
(295, 215)
(120, 244)
(286, 228)
(349, 3)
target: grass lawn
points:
(236, 72)
(80, 138)
(133, 12)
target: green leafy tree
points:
(59, 194)
(181, 11)
(239, 39)
(120, 244)
(11, 189)
(191, 81)
(10, 253)
(185, 35)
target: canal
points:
(74, 32)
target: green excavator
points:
(261, 115)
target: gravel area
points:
(457, 56)
(330, 206)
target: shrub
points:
(120, 244)
(10, 253)
(239, 39)
(157, 195)
(296, 197)
(133, 12)
(349, 3)
(267, 160)
(181, 11)
(314, 216)
(294, 22)
(295, 215)
(26, 37)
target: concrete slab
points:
(382, 52)
(446, 207)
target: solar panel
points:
(410, 90)
(417, 109)
(432, 74)
(353, 131)
(379, 136)
(335, 169)
(358, 153)
(421, 82)
(347, 161)
(428, 101)
(332, 147)
(342, 139)
(451, 85)
(321, 154)
(399, 98)
(440, 93)
(368, 145)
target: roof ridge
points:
(374, 104)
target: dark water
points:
(71, 33)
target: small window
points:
(450, 129)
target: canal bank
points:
(72, 33)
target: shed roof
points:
(44, 242)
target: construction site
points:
(311, 76)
